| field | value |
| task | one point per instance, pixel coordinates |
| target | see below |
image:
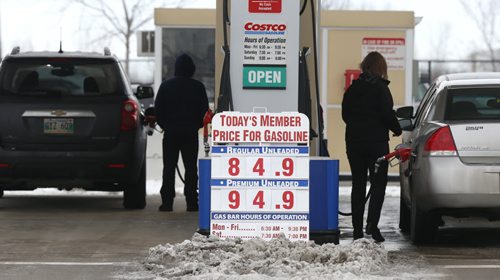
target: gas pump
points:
(265, 68)
(308, 99)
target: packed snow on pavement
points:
(213, 258)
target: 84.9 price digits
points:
(259, 167)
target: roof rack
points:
(16, 50)
(107, 51)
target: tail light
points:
(441, 143)
(129, 115)
(116, 165)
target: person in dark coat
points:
(368, 114)
(180, 105)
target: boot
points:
(192, 208)
(192, 205)
(165, 208)
(376, 235)
(368, 229)
(166, 205)
(357, 234)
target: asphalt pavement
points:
(86, 235)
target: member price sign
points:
(260, 176)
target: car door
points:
(409, 139)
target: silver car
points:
(455, 170)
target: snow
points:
(213, 258)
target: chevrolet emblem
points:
(58, 113)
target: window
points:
(424, 105)
(473, 104)
(60, 77)
(199, 43)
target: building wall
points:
(339, 48)
(342, 34)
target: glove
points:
(398, 133)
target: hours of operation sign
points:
(264, 63)
(260, 189)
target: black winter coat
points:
(181, 102)
(367, 111)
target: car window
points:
(473, 104)
(65, 77)
(430, 109)
(424, 106)
(424, 99)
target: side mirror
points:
(144, 92)
(405, 112)
(406, 124)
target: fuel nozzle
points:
(401, 154)
(378, 162)
(150, 121)
(207, 120)
(207, 148)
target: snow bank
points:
(213, 258)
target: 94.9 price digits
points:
(260, 199)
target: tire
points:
(404, 216)
(134, 195)
(423, 226)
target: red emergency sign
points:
(351, 75)
(264, 6)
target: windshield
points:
(60, 77)
(473, 104)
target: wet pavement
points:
(86, 235)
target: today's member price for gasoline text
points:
(260, 167)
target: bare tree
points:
(439, 42)
(349, 4)
(125, 21)
(485, 14)
(334, 4)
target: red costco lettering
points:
(264, 27)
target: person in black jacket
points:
(180, 105)
(368, 114)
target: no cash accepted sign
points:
(264, 6)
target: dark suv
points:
(70, 120)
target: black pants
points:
(362, 157)
(187, 144)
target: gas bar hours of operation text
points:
(286, 200)
(260, 167)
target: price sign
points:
(260, 200)
(260, 167)
(260, 191)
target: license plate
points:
(58, 126)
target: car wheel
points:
(134, 194)
(423, 226)
(404, 216)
